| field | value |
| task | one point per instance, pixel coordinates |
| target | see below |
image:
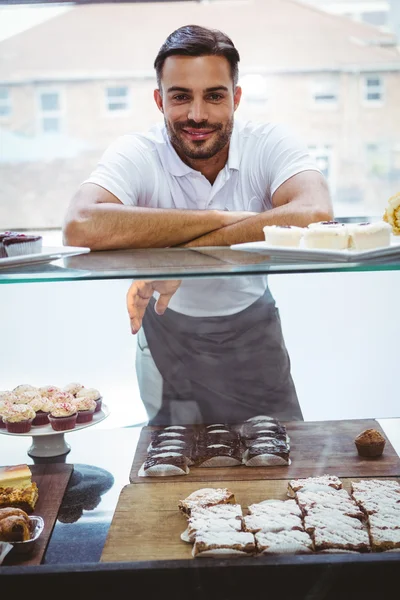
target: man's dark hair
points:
(193, 40)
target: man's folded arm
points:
(301, 200)
(99, 220)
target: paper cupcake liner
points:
(19, 426)
(99, 402)
(41, 418)
(22, 248)
(85, 416)
(63, 423)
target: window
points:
(50, 118)
(377, 159)
(323, 158)
(325, 92)
(5, 102)
(373, 89)
(117, 99)
(255, 89)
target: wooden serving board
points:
(52, 480)
(316, 447)
(147, 523)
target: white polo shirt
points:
(143, 169)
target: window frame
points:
(51, 114)
(122, 112)
(377, 103)
(327, 81)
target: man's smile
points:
(197, 134)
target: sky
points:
(14, 19)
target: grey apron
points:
(221, 369)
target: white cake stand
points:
(47, 442)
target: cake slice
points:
(275, 507)
(17, 488)
(284, 542)
(384, 539)
(318, 518)
(341, 537)
(272, 522)
(309, 497)
(205, 497)
(224, 544)
(332, 481)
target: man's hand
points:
(139, 294)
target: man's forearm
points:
(295, 213)
(109, 226)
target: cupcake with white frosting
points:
(63, 416)
(283, 235)
(86, 408)
(24, 387)
(27, 397)
(73, 388)
(48, 390)
(42, 408)
(4, 410)
(19, 418)
(93, 394)
(8, 396)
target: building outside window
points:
(325, 92)
(373, 90)
(5, 102)
(255, 89)
(50, 111)
(117, 99)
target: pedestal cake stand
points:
(46, 442)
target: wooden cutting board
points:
(147, 523)
(52, 480)
(316, 447)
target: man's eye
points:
(180, 97)
(215, 97)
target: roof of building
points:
(94, 41)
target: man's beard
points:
(199, 149)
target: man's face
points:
(198, 103)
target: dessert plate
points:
(300, 254)
(47, 255)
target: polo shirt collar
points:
(175, 164)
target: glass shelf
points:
(175, 263)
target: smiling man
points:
(202, 178)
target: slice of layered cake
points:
(17, 488)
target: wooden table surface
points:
(317, 447)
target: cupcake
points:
(27, 397)
(19, 418)
(4, 410)
(370, 443)
(7, 396)
(42, 408)
(48, 390)
(25, 387)
(20, 244)
(63, 416)
(93, 394)
(73, 388)
(61, 397)
(283, 235)
(86, 408)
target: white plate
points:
(41, 430)
(47, 255)
(316, 255)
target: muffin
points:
(19, 418)
(287, 236)
(93, 394)
(63, 416)
(86, 408)
(370, 443)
